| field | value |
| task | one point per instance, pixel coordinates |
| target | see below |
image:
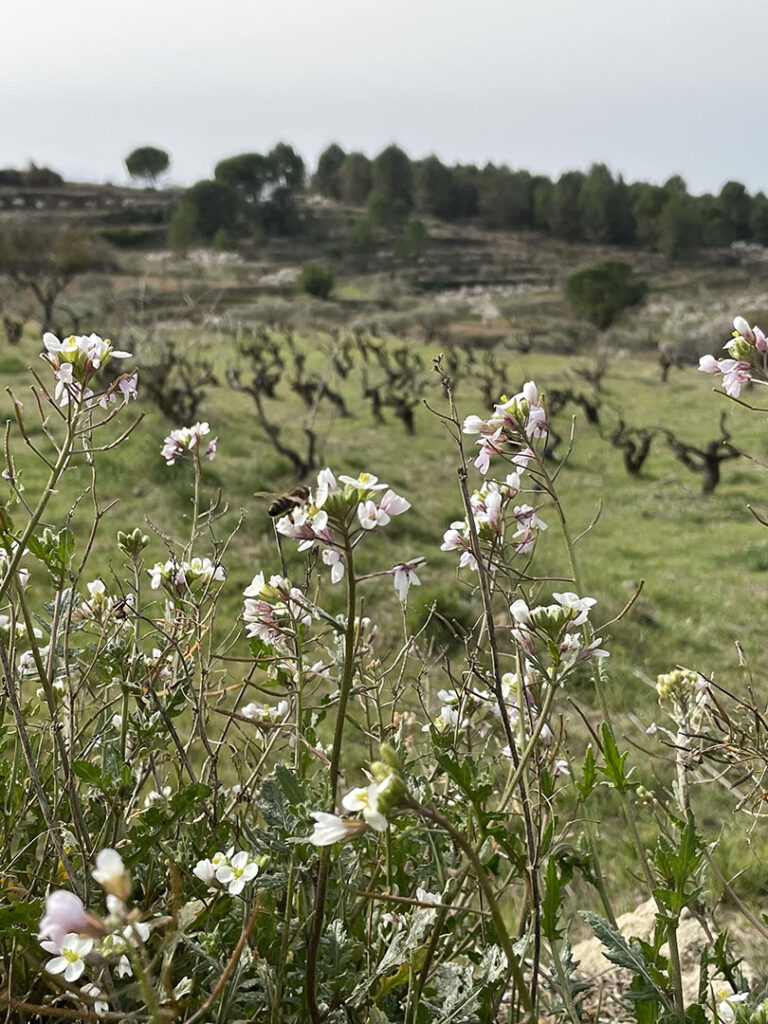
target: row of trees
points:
(255, 192)
(592, 207)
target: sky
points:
(650, 87)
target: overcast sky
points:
(650, 87)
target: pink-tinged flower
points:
(187, 439)
(527, 522)
(393, 504)
(537, 425)
(477, 425)
(210, 451)
(128, 386)
(71, 956)
(742, 329)
(453, 540)
(335, 559)
(326, 484)
(172, 449)
(522, 459)
(64, 913)
(489, 446)
(735, 374)
(405, 577)
(487, 511)
(370, 515)
(708, 364)
(761, 342)
(593, 650)
(531, 393)
(64, 380)
(457, 539)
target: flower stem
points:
(316, 922)
(501, 929)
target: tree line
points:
(593, 206)
(254, 190)
(257, 194)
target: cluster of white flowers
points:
(76, 937)
(75, 360)
(180, 576)
(311, 522)
(266, 713)
(512, 418)
(102, 606)
(270, 609)
(489, 505)
(230, 871)
(746, 347)
(556, 629)
(188, 439)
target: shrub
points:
(316, 280)
(600, 292)
(126, 238)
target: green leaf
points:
(92, 775)
(550, 905)
(614, 762)
(24, 916)
(589, 774)
(275, 808)
(623, 953)
(66, 547)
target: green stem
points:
(316, 923)
(48, 492)
(677, 972)
(274, 1016)
(565, 988)
(484, 883)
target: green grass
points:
(703, 561)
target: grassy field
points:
(703, 560)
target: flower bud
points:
(388, 755)
(677, 684)
(740, 349)
(741, 327)
(390, 793)
(550, 619)
(132, 544)
(111, 874)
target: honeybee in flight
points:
(284, 504)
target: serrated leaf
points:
(621, 952)
(614, 761)
(93, 775)
(589, 774)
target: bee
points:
(287, 502)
